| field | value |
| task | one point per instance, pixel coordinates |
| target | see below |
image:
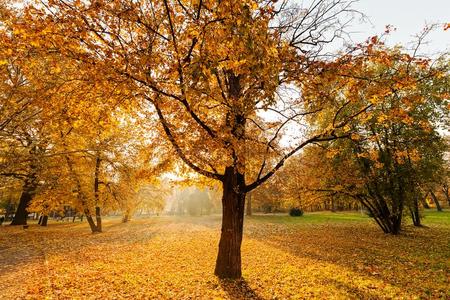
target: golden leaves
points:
(341, 256)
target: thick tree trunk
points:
(396, 225)
(396, 218)
(21, 215)
(228, 263)
(91, 223)
(436, 201)
(248, 210)
(44, 220)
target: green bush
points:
(295, 212)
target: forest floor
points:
(321, 255)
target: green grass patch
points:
(434, 217)
(313, 217)
(430, 217)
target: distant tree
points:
(394, 149)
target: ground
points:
(320, 255)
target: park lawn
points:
(320, 255)
(313, 218)
(431, 216)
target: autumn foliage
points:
(107, 105)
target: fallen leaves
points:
(173, 258)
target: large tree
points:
(209, 69)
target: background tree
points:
(394, 149)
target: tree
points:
(394, 149)
(153, 195)
(24, 138)
(208, 95)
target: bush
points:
(295, 212)
(368, 213)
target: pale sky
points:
(409, 17)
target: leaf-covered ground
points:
(329, 256)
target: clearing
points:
(319, 255)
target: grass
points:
(313, 218)
(431, 216)
(320, 255)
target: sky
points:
(409, 17)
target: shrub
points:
(368, 213)
(295, 212)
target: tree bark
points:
(446, 191)
(91, 223)
(436, 201)
(333, 204)
(415, 215)
(425, 203)
(228, 263)
(82, 196)
(248, 210)
(28, 190)
(98, 217)
(44, 220)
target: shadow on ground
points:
(238, 289)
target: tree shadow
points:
(238, 289)
(367, 253)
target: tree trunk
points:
(91, 223)
(228, 263)
(436, 201)
(446, 191)
(415, 215)
(81, 196)
(424, 202)
(9, 212)
(333, 204)
(40, 220)
(396, 217)
(249, 205)
(125, 218)
(21, 215)
(98, 217)
(44, 220)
